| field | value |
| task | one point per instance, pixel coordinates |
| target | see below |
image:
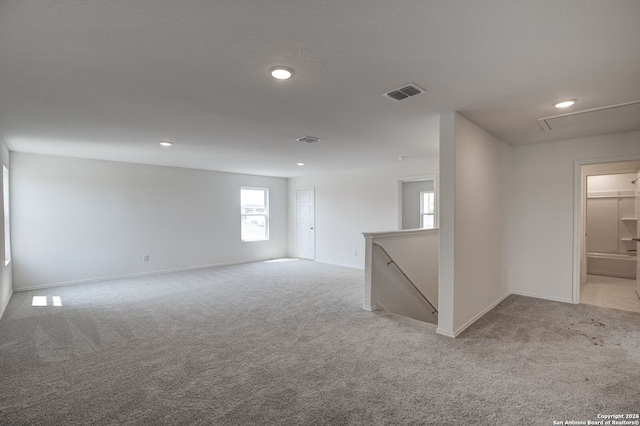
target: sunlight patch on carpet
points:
(39, 301)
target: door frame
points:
(313, 191)
(579, 219)
(637, 203)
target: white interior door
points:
(638, 234)
(305, 224)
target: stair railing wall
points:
(415, 253)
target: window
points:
(254, 214)
(5, 204)
(427, 209)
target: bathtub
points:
(612, 264)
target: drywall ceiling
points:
(110, 79)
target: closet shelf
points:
(629, 218)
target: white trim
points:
(137, 274)
(369, 297)
(539, 296)
(403, 233)
(480, 315)
(6, 209)
(611, 194)
(445, 333)
(613, 256)
(577, 215)
(360, 268)
(371, 308)
(460, 330)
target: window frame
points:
(424, 212)
(243, 215)
(6, 215)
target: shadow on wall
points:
(403, 273)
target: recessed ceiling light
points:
(565, 104)
(281, 73)
(166, 143)
(300, 163)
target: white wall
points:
(542, 197)
(613, 182)
(6, 287)
(416, 254)
(353, 202)
(474, 182)
(76, 219)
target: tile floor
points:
(618, 293)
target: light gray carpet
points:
(288, 343)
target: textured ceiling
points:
(109, 79)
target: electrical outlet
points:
(145, 258)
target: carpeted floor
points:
(288, 343)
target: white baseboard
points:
(135, 275)
(472, 320)
(339, 264)
(445, 333)
(481, 314)
(370, 308)
(493, 305)
(539, 296)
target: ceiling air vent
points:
(629, 112)
(404, 92)
(308, 139)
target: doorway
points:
(609, 212)
(305, 223)
(418, 202)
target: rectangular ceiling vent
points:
(620, 112)
(404, 92)
(308, 139)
